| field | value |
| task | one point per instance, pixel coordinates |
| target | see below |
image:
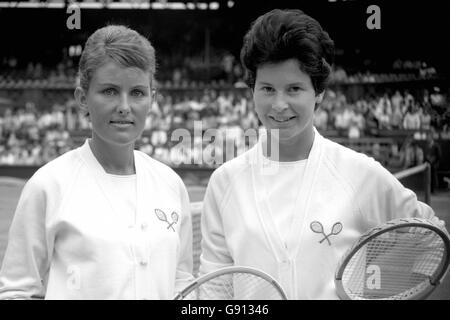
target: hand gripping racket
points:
(404, 259)
(233, 283)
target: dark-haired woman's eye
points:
(295, 89)
(267, 89)
(109, 91)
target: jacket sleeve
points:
(215, 253)
(26, 261)
(185, 258)
(388, 200)
(383, 198)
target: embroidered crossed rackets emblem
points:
(162, 216)
(317, 227)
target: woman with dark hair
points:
(260, 208)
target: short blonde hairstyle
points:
(117, 43)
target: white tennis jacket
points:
(340, 188)
(67, 241)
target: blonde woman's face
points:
(118, 101)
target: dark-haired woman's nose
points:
(280, 104)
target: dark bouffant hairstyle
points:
(280, 35)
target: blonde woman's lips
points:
(122, 123)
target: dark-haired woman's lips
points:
(122, 123)
(282, 120)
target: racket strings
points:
(235, 286)
(395, 265)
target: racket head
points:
(161, 215)
(233, 283)
(403, 259)
(337, 228)
(316, 226)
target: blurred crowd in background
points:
(215, 96)
(178, 71)
(33, 135)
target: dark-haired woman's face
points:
(285, 99)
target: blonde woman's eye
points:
(138, 93)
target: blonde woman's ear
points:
(81, 99)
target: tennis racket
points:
(404, 259)
(233, 283)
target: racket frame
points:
(229, 270)
(388, 226)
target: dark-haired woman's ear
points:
(81, 99)
(319, 99)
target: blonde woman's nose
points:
(124, 104)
